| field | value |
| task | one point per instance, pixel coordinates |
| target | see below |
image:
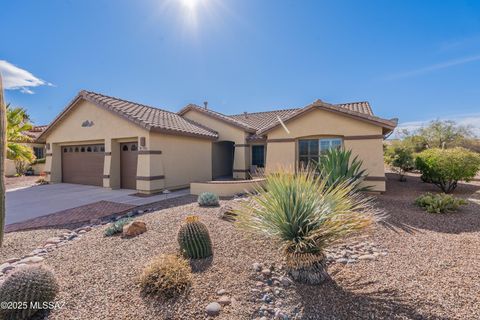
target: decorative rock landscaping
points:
(353, 252)
(38, 255)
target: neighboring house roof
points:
(219, 116)
(150, 118)
(36, 131)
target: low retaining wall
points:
(225, 188)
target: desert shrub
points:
(306, 217)
(41, 181)
(336, 167)
(30, 284)
(166, 276)
(439, 203)
(117, 227)
(208, 199)
(194, 239)
(445, 168)
(399, 156)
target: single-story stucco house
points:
(114, 143)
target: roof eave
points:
(183, 133)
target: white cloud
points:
(434, 67)
(15, 78)
(471, 120)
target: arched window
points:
(102, 149)
(134, 147)
(95, 149)
(125, 147)
(76, 149)
(65, 150)
(70, 149)
(82, 149)
(89, 149)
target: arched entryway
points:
(222, 160)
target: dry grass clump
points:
(166, 276)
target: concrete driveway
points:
(37, 201)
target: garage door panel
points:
(83, 167)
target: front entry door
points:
(128, 165)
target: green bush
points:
(399, 156)
(336, 167)
(445, 168)
(166, 276)
(208, 199)
(439, 203)
(117, 227)
(28, 284)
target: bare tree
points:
(3, 144)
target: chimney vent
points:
(205, 104)
(245, 113)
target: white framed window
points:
(309, 150)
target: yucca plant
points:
(306, 216)
(335, 167)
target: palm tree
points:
(3, 139)
(306, 216)
(18, 122)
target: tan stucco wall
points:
(226, 188)
(226, 132)
(183, 160)
(107, 129)
(321, 123)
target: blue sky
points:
(415, 60)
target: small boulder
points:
(53, 240)
(257, 266)
(213, 309)
(224, 300)
(5, 267)
(226, 212)
(367, 257)
(221, 292)
(31, 260)
(266, 272)
(134, 228)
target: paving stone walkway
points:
(81, 214)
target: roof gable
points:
(358, 111)
(150, 118)
(219, 116)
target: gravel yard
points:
(431, 269)
(20, 182)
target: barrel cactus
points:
(208, 199)
(194, 239)
(32, 285)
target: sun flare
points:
(190, 4)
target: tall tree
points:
(18, 123)
(445, 134)
(3, 152)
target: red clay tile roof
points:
(217, 115)
(260, 120)
(36, 131)
(150, 118)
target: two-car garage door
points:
(83, 164)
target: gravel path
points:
(431, 271)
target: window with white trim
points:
(309, 150)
